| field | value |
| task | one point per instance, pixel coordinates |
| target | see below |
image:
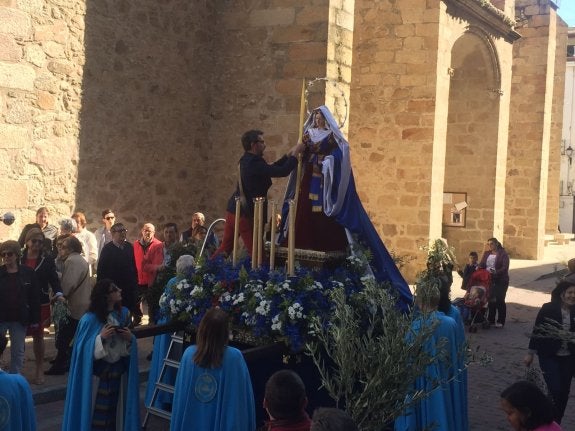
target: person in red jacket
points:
(149, 257)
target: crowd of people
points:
(97, 282)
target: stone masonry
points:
(139, 106)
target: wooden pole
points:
(261, 202)
(291, 239)
(255, 235)
(236, 233)
(273, 235)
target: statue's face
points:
(319, 120)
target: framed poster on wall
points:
(454, 209)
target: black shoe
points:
(150, 355)
(55, 371)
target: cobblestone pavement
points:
(506, 347)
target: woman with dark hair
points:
(35, 257)
(105, 348)
(527, 408)
(213, 388)
(496, 260)
(556, 356)
(76, 286)
(20, 304)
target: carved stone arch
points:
(491, 51)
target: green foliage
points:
(364, 358)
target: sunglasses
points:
(114, 289)
(7, 254)
(37, 241)
(119, 230)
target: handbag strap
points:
(77, 286)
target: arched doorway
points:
(471, 143)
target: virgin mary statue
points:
(329, 215)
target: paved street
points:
(506, 346)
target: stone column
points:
(530, 129)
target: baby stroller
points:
(474, 304)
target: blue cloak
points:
(78, 405)
(219, 399)
(16, 406)
(459, 383)
(436, 411)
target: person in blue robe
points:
(16, 405)
(213, 387)
(106, 349)
(329, 214)
(436, 410)
(162, 344)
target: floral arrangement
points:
(269, 304)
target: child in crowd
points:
(469, 269)
(331, 419)
(285, 401)
(527, 408)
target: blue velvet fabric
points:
(216, 399)
(78, 404)
(437, 410)
(16, 405)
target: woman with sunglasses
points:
(34, 257)
(106, 349)
(20, 304)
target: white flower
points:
(295, 311)
(196, 291)
(276, 323)
(238, 298)
(263, 308)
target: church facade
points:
(453, 109)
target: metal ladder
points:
(160, 386)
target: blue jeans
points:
(558, 372)
(17, 333)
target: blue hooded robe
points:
(436, 410)
(78, 405)
(16, 405)
(218, 399)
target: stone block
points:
(308, 51)
(272, 17)
(9, 49)
(412, 80)
(46, 101)
(57, 32)
(53, 154)
(412, 57)
(423, 105)
(13, 193)
(404, 30)
(35, 54)
(13, 136)
(15, 22)
(295, 33)
(61, 67)
(17, 76)
(53, 49)
(417, 134)
(18, 111)
(312, 15)
(31, 6)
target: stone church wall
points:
(41, 60)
